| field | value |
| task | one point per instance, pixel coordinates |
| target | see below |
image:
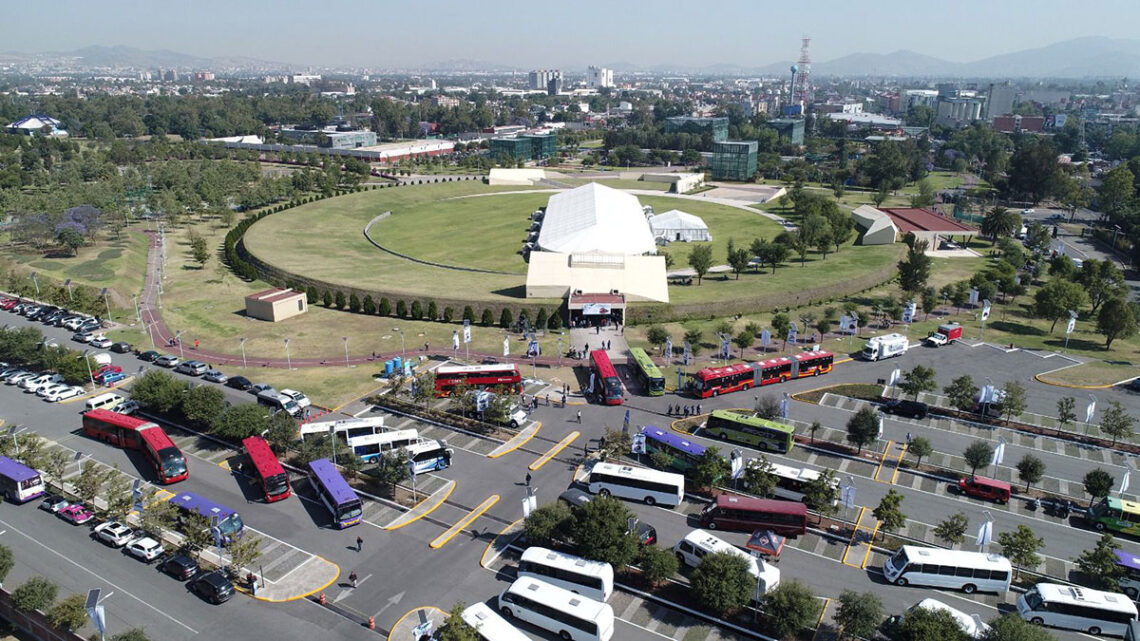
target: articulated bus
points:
(18, 482)
(370, 447)
(753, 431)
(714, 381)
(132, 433)
(335, 493)
(1115, 514)
(504, 378)
(648, 374)
(265, 467)
(604, 379)
(230, 525)
(683, 454)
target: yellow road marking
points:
(883, 459)
(538, 426)
(552, 452)
(870, 544)
(225, 464)
(854, 534)
(408, 613)
(430, 497)
(898, 464)
(442, 539)
(490, 546)
(822, 613)
(163, 495)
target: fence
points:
(34, 623)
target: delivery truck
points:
(945, 334)
(881, 347)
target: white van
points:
(971, 624)
(696, 544)
(302, 400)
(278, 402)
(103, 402)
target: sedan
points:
(75, 514)
(64, 393)
(16, 379)
(120, 347)
(166, 361)
(145, 549)
(44, 390)
(102, 342)
(215, 587)
(54, 503)
(126, 407)
(239, 383)
(114, 533)
(180, 566)
(82, 337)
(149, 356)
(215, 376)
(258, 388)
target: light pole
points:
(13, 431)
(96, 612)
(67, 284)
(107, 302)
(87, 357)
(1115, 230)
(178, 339)
(345, 339)
(288, 359)
(36, 281)
(138, 314)
(242, 340)
(150, 332)
(403, 349)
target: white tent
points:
(678, 226)
(595, 219)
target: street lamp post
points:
(288, 359)
(36, 281)
(403, 348)
(345, 339)
(87, 357)
(13, 431)
(138, 314)
(67, 284)
(1115, 231)
(178, 339)
(242, 340)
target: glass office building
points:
(734, 160)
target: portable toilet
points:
(398, 363)
(388, 368)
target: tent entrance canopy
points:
(596, 309)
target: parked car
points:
(258, 388)
(120, 347)
(33, 385)
(302, 400)
(145, 549)
(75, 514)
(54, 503)
(48, 389)
(239, 383)
(215, 376)
(109, 377)
(192, 368)
(149, 356)
(126, 407)
(166, 361)
(103, 369)
(180, 566)
(64, 393)
(114, 533)
(214, 587)
(984, 488)
(50, 342)
(900, 407)
(20, 377)
(102, 342)
(82, 337)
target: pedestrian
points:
(597, 329)
(563, 399)
(579, 417)
(359, 543)
(908, 438)
(528, 479)
(352, 577)
(195, 343)
(586, 348)
(427, 347)
(698, 408)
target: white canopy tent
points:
(678, 226)
(595, 219)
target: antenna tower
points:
(802, 89)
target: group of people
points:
(685, 410)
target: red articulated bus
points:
(265, 467)
(746, 513)
(714, 381)
(133, 433)
(605, 383)
(504, 378)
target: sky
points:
(567, 35)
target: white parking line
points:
(33, 540)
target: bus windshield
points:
(613, 386)
(173, 463)
(277, 484)
(899, 560)
(349, 510)
(1033, 599)
(231, 525)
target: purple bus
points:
(18, 482)
(335, 493)
(683, 454)
(229, 522)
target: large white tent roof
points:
(677, 219)
(595, 219)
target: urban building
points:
(1000, 102)
(716, 126)
(554, 85)
(540, 78)
(790, 128)
(524, 146)
(734, 160)
(1017, 123)
(36, 123)
(916, 97)
(959, 110)
(275, 304)
(304, 79)
(330, 138)
(203, 76)
(599, 77)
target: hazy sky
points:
(561, 34)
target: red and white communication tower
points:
(801, 93)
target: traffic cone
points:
(371, 623)
(322, 598)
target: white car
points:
(48, 389)
(145, 549)
(64, 393)
(20, 378)
(102, 342)
(302, 400)
(114, 533)
(33, 385)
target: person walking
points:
(698, 408)
(352, 578)
(579, 417)
(908, 438)
(195, 343)
(359, 543)
(528, 479)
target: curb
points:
(450, 488)
(508, 448)
(409, 613)
(301, 596)
(483, 560)
(1037, 377)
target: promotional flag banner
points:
(669, 348)
(466, 331)
(985, 533)
(1091, 409)
(455, 340)
(1072, 323)
(506, 346)
(765, 337)
(985, 310)
(974, 296)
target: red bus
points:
(604, 379)
(714, 381)
(132, 433)
(265, 467)
(745, 513)
(504, 378)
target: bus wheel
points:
(746, 387)
(604, 492)
(716, 392)
(1095, 631)
(901, 582)
(1037, 621)
(969, 588)
(650, 501)
(507, 614)
(816, 372)
(565, 635)
(1099, 526)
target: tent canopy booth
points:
(588, 310)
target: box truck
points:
(881, 347)
(945, 334)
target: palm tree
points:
(999, 222)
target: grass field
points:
(119, 265)
(1091, 373)
(616, 183)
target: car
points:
(12, 372)
(73, 322)
(574, 497)
(75, 514)
(215, 376)
(149, 356)
(54, 503)
(64, 393)
(120, 347)
(48, 389)
(144, 549)
(239, 383)
(82, 336)
(214, 587)
(114, 533)
(110, 376)
(302, 400)
(1134, 385)
(180, 566)
(33, 385)
(102, 342)
(50, 342)
(126, 407)
(1028, 211)
(192, 368)
(168, 360)
(103, 369)
(912, 409)
(258, 388)
(20, 378)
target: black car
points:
(646, 534)
(149, 356)
(913, 409)
(120, 347)
(214, 587)
(239, 383)
(180, 566)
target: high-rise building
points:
(734, 160)
(717, 126)
(1000, 101)
(599, 77)
(540, 78)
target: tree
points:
(454, 628)
(505, 318)
(812, 429)
(914, 268)
(133, 634)
(822, 493)
(781, 324)
(600, 531)
(863, 428)
(1103, 281)
(401, 309)
(1015, 400)
(791, 607)
(953, 529)
(327, 299)
(90, 481)
(417, 310)
(657, 337)
(773, 254)
(354, 304)
(203, 406)
(657, 564)
(925, 196)
(1065, 412)
(919, 447)
(56, 467)
(391, 470)
(918, 380)
(722, 582)
(384, 308)
(881, 195)
(858, 615)
(1011, 627)
(1116, 422)
(929, 624)
(1030, 469)
(1099, 564)
(961, 392)
(70, 613)
(158, 516)
(281, 431)
(700, 259)
(693, 337)
(709, 468)
(37, 593)
(7, 562)
(548, 525)
(1020, 547)
(158, 391)
(196, 530)
(242, 421)
(759, 477)
(1000, 222)
(119, 495)
(244, 552)
(1117, 319)
(487, 318)
(341, 301)
(1054, 300)
(200, 251)
(978, 454)
(889, 512)
(1098, 484)
(71, 239)
(738, 259)
(1034, 173)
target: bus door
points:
(795, 368)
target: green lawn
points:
(616, 183)
(119, 265)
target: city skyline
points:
(357, 33)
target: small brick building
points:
(275, 304)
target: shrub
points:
(541, 319)
(369, 305)
(505, 318)
(488, 318)
(468, 314)
(37, 593)
(401, 309)
(385, 308)
(448, 314)
(326, 298)
(340, 300)
(417, 310)
(354, 303)
(432, 311)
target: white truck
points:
(516, 417)
(881, 347)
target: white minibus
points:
(594, 579)
(571, 616)
(1075, 608)
(637, 484)
(942, 568)
(489, 625)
